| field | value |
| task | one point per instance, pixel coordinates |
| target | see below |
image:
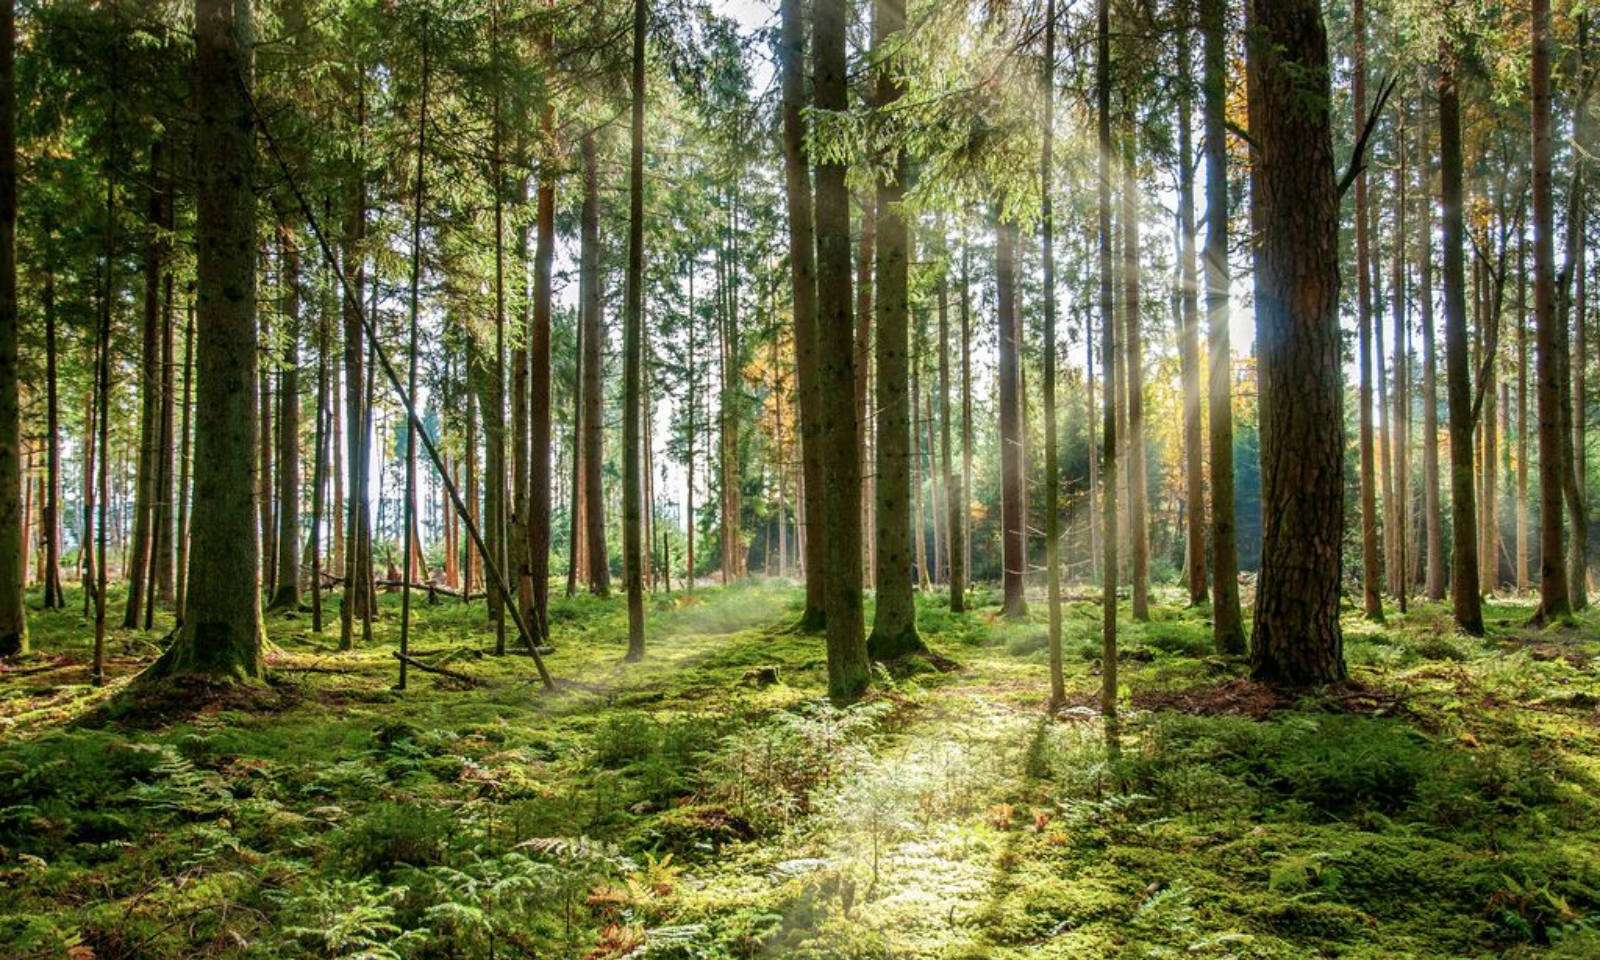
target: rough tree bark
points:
(633, 353)
(221, 635)
(848, 671)
(1297, 638)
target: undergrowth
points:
(710, 803)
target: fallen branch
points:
(441, 671)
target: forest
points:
(798, 478)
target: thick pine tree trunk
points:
(221, 635)
(1227, 620)
(541, 473)
(848, 671)
(1458, 388)
(865, 251)
(894, 628)
(180, 571)
(1297, 638)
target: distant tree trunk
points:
(1138, 476)
(221, 635)
(266, 448)
(633, 355)
(53, 596)
(966, 405)
(1013, 547)
(1554, 597)
(599, 573)
(541, 473)
(1458, 388)
(180, 571)
(894, 628)
(848, 671)
(286, 596)
(13, 614)
(954, 496)
(1573, 480)
(1052, 464)
(919, 532)
(1227, 620)
(1522, 417)
(1371, 567)
(1433, 515)
(1189, 339)
(411, 544)
(161, 551)
(102, 455)
(354, 267)
(865, 251)
(1108, 361)
(517, 528)
(1297, 637)
(319, 461)
(803, 281)
(693, 432)
(1401, 427)
(137, 563)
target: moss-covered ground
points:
(709, 803)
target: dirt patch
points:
(1241, 697)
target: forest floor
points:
(708, 803)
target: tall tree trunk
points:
(865, 251)
(894, 628)
(1573, 480)
(1138, 476)
(319, 461)
(1297, 638)
(1401, 426)
(1522, 417)
(53, 596)
(1013, 546)
(955, 510)
(1227, 620)
(599, 573)
(1052, 463)
(408, 513)
(1108, 498)
(848, 672)
(138, 561)
(966, 404)
(803, 283)
(1371, 566)
(633, 354)
(1189, 339)
(1433, 514)
(13, 615)
(221, 635)
(265, 492)
(541, 473)
(1554, 598)
(161, 551)
(354, 267)
(1458, 388)
(286, 596)
(180, 572)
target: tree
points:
(1108, 366)
(1297, 637)
(221, 634)
(1458, 390)
(1226, 618)
(894, 628)
(286, 595)
(803, 287)
(848, 672)
(594, 516)
(1013, 531)
(1052, 463)
(13, 616)
(1189, 335)
(1554, 597)
(633, 354)
(1371, 570)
